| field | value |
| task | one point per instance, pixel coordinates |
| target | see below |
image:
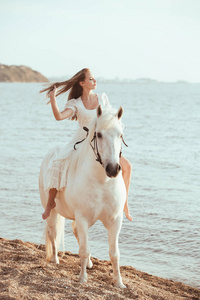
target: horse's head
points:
(108, 140)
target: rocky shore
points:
(20, 74)
(25, 274)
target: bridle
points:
(95, 148)
(95, 145)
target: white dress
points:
(58, 158)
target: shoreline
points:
(27, 275)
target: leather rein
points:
(95, 146)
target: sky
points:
(157, 39)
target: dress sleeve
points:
(73, 105)
(105, 100)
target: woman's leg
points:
(50, 204)
(126, 174)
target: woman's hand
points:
(53, 92)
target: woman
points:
(81, 105)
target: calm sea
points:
(162, 129)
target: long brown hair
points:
(76, 89)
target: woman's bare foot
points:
(127, 213)
(50, 204)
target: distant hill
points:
(20, 74)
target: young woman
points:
(81, 105)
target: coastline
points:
(26, 274)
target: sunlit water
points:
(162, 129)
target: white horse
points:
(94, 191)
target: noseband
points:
(95, 146)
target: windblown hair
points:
(71, 84)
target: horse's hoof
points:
(55, 260)
(119, 285)
(82, 279)
(89, 264)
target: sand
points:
(25, 274)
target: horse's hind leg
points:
(51, 246)
(75, 232)
(113, 234)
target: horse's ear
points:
(99, 111)
(120, 112)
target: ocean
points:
(162, 130)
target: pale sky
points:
(158, 39)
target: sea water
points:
(162, 130)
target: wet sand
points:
(25, 274)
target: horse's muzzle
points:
(112, 170)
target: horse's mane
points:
(106, 121)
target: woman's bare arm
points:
(59, 115)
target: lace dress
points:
(58, 158)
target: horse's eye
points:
(99, 135)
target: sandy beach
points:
(25, 274)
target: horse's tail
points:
(60, 226)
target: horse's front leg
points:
(84, 253)
(113, 234)
(75, 231)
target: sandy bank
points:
(24, 274)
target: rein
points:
(87, 130)
(95, 146)
(95, 149)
